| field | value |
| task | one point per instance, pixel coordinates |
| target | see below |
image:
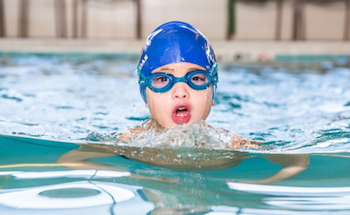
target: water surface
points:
(50, 105)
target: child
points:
(178, 76)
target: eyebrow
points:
(166, 68)
(171, 69)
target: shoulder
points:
(235, 141)
(242, 142)
(132, 132)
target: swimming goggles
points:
(162, 82)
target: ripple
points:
(64, 107)
(32, 198)
(299, 198)
(11, 98)
(137, 118)
(286, 109)
(69, 193)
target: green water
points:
(28, 164)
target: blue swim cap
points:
(175, 42)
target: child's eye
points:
(199, 79)
(160, 81)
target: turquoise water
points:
(49, 106)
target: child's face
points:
(181, 104)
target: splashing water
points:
(196, 135)
(192, 147)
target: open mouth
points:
(181, 114)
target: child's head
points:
(177, 74)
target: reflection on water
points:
(69, 174)
(101, 182)
(307, 198)
(76, 195)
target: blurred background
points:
(244, 29)
(67, 66)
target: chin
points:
(185, 124)
(173, 124)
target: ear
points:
(212, 103)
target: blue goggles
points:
(162, 82)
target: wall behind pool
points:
(110, 27)
(226, 51)
(109, 19)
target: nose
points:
(180, 91)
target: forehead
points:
(178, 67)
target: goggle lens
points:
(199, 79)
(162, 82)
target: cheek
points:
(203, 99)
(206, 97)
(157, 101)
(208, 100)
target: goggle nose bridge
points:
(182, 79)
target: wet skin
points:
(181, 104)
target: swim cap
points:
(175, 42)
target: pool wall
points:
(226, 51)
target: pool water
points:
(49, 105)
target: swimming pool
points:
(50, 104)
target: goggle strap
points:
(142, 79)
(215, 78)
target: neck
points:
(152, 124)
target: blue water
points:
(50, 105)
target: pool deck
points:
(225, 50)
